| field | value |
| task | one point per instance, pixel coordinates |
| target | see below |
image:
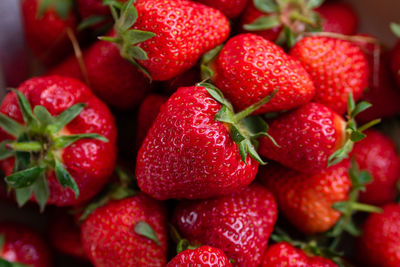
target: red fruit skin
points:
(239, 224)
(377, 154)
(47, 36)
(249, 68)
(109, 237)
(89, 161)
(251, 14)
(395, 62)
(23, 245)
(336, 68)
(112, 78)
(284, 254)
(88, 8)
(187, 154)
(148, 112)
(204, 256)
(339, 18)
(65, 235)
(306, 200)
(379, 245)
(231, 9)
(184, 31)
(307, 137)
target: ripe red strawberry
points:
(239, 224)
(395, 62)
(46, 24)
(148, 112)
(307, 137)
(337, 67)
(128, 232)
(204, 256)
(65, 235)
(379, 244)
(284, 254)
(19, 244)
(338, 18)
(377, 155)
(111, 77)
(231, 9)
(68, 140)
(249, 68)
(306, 200)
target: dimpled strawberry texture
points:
(377, 154)
(307, 137)
(249, 68)
(204, 256)
(306, 200)
(230, 8)
(89, 161)
(184, 31)
(23, 245)
(336, 67)
(379, 244)
(240, 224)
(187, 154)
(109, 236)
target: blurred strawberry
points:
(230, 8)
(338, 18)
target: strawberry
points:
(395, 62)
(284, 254)
(231, 9)
(148, 112)
(197, 147)
(377, 155)
(112, 78)
(239, 224)
(336, 67)
(128, 232)
(380, 242)
(65, 235)
(248, 68)
(339, 18)
(68, 140)
(164, 46)
(46, 24)
(21, 246)
(204, 256)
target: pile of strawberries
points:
(203, 133)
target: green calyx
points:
(182, 244)
(5, 263)
(61, 7)
(244, 129)
(353, 132)
(395, 27)
(127, 39)
(144, 229)
(35, 149)
(295, 16)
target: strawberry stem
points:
(33, 146)
(364, 207)
(246, 112)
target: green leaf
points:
(25, 107)
(43, 6)
(211, 54)
(23, 195)
(206, 72)
(144, 229)
(24, 178)
(66, 117)
(132, 37)
(91, 21)
(10, 126)
(128, 17)
(237, 137)
(2, 241)
(225, 115)
(4, 152)
(63, 7)
(341, 206)
(89, 209)
(137, 53)
(216, 94)
(109, 39)
(357, 136)
(41, 190)
(121, 192)
(65, 178)
(360, 107)
(395, 27)
(253, 153)
(290, 37)
(43, 116)
(352, 229)
(67, 140)
(311, 4)
(364, 177)
(22, 159)
(243, 151)
(267, 6)
(5, 263)
(350, 102)
(263, 23)
(255, 125)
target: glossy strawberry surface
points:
(239, 224)
(336, 67)
(187, 154)
(230, 8)
(249, 68)
(23, 245)
(89, 161)
(205, 256)
(307, 137)
(339, 18)
(110, 239)
(306, 200)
